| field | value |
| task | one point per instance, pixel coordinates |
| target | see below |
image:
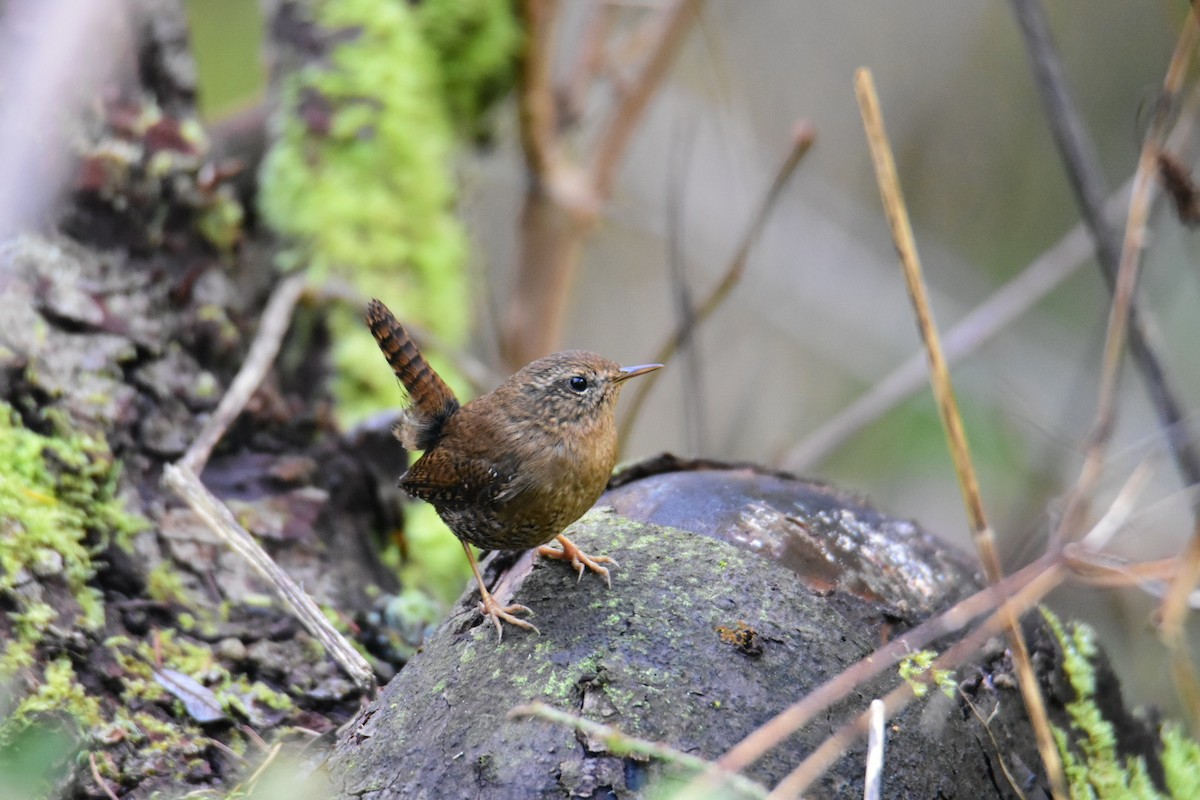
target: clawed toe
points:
(579, 559)
(490, 608)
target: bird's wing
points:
(442, 477)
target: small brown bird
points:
(513, 468)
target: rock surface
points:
(698, 642)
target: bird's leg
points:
(579, 559)
(490, 608)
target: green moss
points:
(359, 175)
(57, 693)
(918, 672)
(477, 43)
(1181, 762)
(164, 584)
(1089, 750)
(58, 507)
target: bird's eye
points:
(578, 383)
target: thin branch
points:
(613, 141)
(539, 123)
(276, 318)
(183, 478)
(1007, 304)
(1086, 179)
(217, 516)
(1089, 186)
(590, 61)
(623, 744)
(803, 137)
(99, 779)
(1175, 605)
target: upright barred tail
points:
(432, 401)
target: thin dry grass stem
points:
(1127, 274)
(876, 744)
(617, 742)
(803, 137)
(999, 751)
(99, 779)
(1119, 510)
(897, 214)
(1041, 277)
(276, 318)
(1109, 572)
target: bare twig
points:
(1175, 605)
(564, 200)
(276, 318)
(675, 24)
(1042, 276)
(803, 137)
(1087, 181)
(539, 123)
(897, 214)
(220, 520)
(623, 744)
(1120, 265)
(183, 478)
(590, 61)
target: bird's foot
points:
(579, 559)
(498, 613)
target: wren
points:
(511, 469)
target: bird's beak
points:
(633, 372)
